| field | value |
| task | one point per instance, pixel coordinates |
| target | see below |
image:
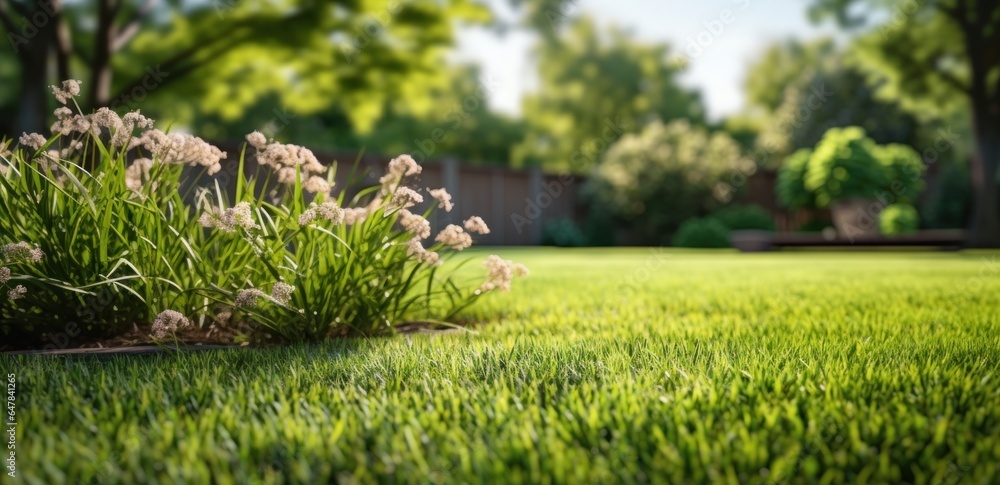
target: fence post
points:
(497, 206)
(450, 176)
(536, 179)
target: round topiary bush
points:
(702, 233)
(745, 217)
(899, 219)
(845, 165)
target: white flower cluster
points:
(328, 211)
(404, 198)
(69, 90)
(287, 160)
(138, 173)
(477, 225)
(167, 322)
(248, 298)
(32, 140)
(180, 148)
(14, 253)
(17, 293)
(416, 250)
(443, 198)
(355, 215)
(455, 237)
(21, 252)
(282, 292)
(500, 272)
(399, 168)
(415, 224)
(240, 215)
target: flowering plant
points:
(126, 241)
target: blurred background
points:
(574, 122)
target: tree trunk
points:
(986, 212)
(100, 82)
(33, 102)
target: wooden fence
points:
(515, 204)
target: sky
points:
(718, 38)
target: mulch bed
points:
(137, 342)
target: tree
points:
(802, 90)
(594, 86)
(939, 54)
(225, 54)
(781, 67)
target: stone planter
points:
(751, 241)
(856, 218)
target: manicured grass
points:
(624, 365)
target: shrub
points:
(743, 217)
(665, 175)
(899, 219)
(847, 164)
(814, 225)
(844, 165)
(791, 184)
(702, 233)
(97, 237)
(563, 233)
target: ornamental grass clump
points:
(101, 236)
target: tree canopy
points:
(594, 85)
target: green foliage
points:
(844, 165)
(665, 175)
(904, 169)
(833, 95)
(743, 217)
(947, 206)
(791, 183)
(781, 67)
(898, 219)
(815, 225)
(222, 57)
(563, 233)
(623, 366)
(707, 232)
(121, 245)
(596, 86)
(919, 49)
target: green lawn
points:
(636, 365)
